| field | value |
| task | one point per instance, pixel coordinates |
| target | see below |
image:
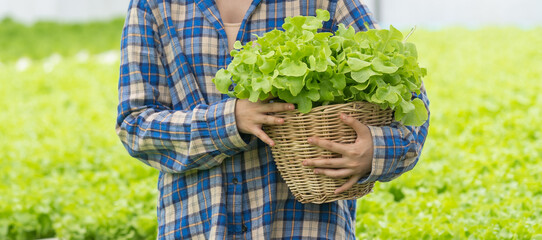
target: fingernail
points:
(310, 140)
(305, 163)
(272, 144)
(291, 107)
(343, 116)
(316, 171)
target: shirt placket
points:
(234, 195)
(233, 168)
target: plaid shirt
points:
(215, 183)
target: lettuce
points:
(309, 68)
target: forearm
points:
(179, 141)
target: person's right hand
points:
(251, 116)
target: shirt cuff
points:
(229, 141)
(379, 164)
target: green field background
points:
(65, 174)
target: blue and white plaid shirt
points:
(214, 183)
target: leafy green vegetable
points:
(301, 66)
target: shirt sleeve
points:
(397, 147)
(148, 124)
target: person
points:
(217, 176)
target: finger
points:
(329, 145)
(326, 163)
(259, 133)
(277, 107)
(269, 120)
(360, 128)
(353, 180)
(334, 173)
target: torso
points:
(207, 203)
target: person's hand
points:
(356, 159)
(251, 116)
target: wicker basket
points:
(291, 148)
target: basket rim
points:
(334, 106)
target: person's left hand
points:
(356, 159)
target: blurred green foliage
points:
(64, 172)
(480, 174)
(42, 39)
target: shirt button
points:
(231, 87)
(244, 228)
(235, 181)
